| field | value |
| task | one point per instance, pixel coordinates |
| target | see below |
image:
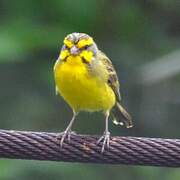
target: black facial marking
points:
(65, 59)
(84, 60)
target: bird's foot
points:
(65, 134)
(106, 140)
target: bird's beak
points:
(74, 51)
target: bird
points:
(86, 79)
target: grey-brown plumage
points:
(120, 115)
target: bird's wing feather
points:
(113, 81)
(121, 116)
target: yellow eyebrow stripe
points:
(85, 42)
(68, 43)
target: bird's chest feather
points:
(73, 79)
(80, 88)
(73, 76)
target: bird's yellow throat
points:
(81, 90)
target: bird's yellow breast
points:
(80, 89)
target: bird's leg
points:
(106, 135)
(68, 131)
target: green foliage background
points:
(132, 33)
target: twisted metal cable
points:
(123, 150)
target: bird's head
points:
(79, 44)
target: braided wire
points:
(83, 148)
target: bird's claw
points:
(64, 135)
(106, 141)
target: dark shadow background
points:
(142, 38)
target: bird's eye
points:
(86, 47)
(65, 47)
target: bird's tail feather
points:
(121, 116)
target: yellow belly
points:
(82, 91)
